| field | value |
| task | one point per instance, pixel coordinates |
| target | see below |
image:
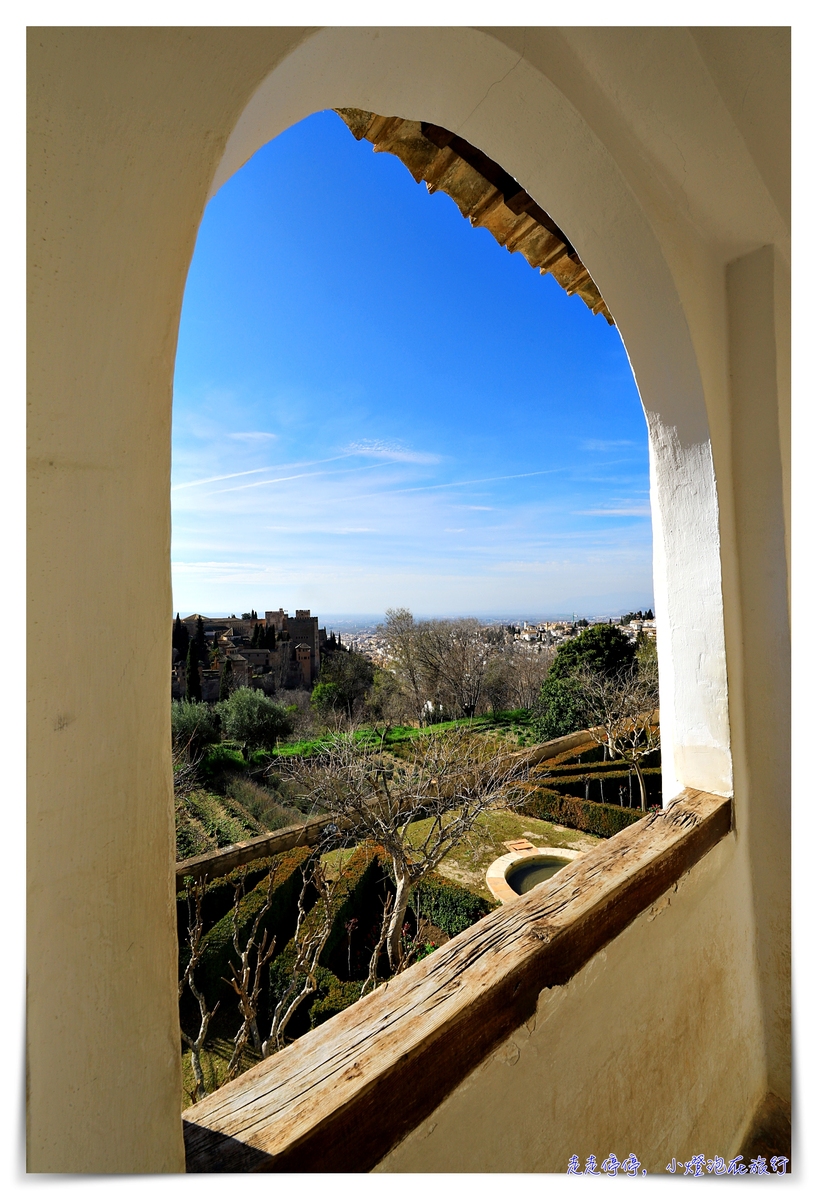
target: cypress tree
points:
(201, 643)
(181, 637)
(268, 640)
(226, 681)
(193, 690)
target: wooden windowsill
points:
(344, 1094)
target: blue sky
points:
(376, 405)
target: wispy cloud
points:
(254, 436)
(257, 471)
(429, 487)
(639, 509)
(395, 451)
(603, 444)
(217, 478)
(243, 487)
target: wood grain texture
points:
(343, 1095)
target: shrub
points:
(220, 758)
(560, 709)
(227, 824)
(262, 804)
(325, 696)
(590, 816)
(333, 996)
(191, 836)
(450, 907)
(193, 726)
(250, 717)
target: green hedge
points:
(590, 816)
(333, 996)
(592, 769)
(604, 786)
(447, 905)
(214, 966)
(363, 872)
(220, 758)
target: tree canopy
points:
(194, 725)
(563, 706)
(193, 687)
(602, 648)
(181, 637)
(346, 677)
(248, 716)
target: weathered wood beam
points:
(343, 1095)
(483, 191)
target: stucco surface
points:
(614, 1060)
(632, 140)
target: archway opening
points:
(376, 404)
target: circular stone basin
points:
(527, 875)
(514, 874)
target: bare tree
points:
(313, 927)
(195, 928)
(530, 667)
(402, 632)
(246, 981)
(453, 779)
(454, 657)
(515, 674)
(623, 713)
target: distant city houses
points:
(282, 651)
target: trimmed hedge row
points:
(221, 817)
(604, 788)
(447, 905)
(587, 815)
(649, 763)
(217, 944)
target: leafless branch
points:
(195, 893)
(247, 980)
(312, 929)
(451, 781)
(624, 716)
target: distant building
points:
(296, 661)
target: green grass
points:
(467, 863)
(514, 724)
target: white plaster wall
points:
(629, 138)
